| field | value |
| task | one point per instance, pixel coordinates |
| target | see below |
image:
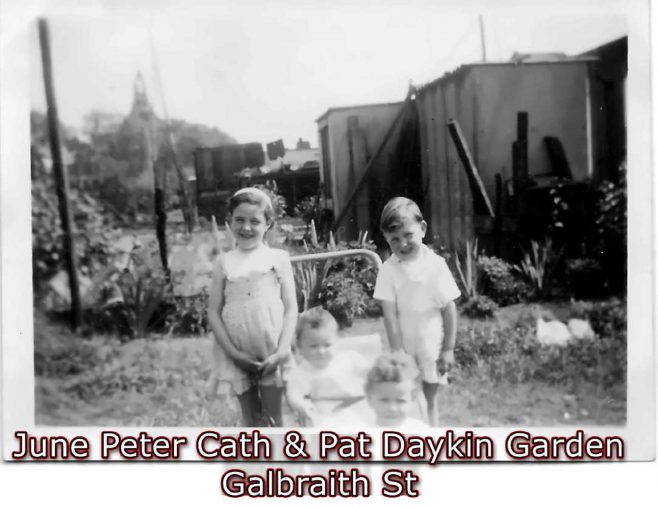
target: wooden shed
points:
(349, 137)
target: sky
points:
(261, 71)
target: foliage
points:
(358, 276)
(611, 217)
(93, 231)
(187, 315)
(611, 228)
(309, 277)
(308, 209)
(539, 265)
(500, 281)
(344, 298)
(479, 307)
(559, 210)
(321, 282)
(278, 201)
(515, 355)
(131, 297)
(144, 288)
(470, 276)
(109, 319)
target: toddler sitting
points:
(323, 379)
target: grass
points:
(160, 382)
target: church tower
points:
(141, 106)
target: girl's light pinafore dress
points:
(253, 317)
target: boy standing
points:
(417, 292)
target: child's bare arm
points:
(392, 325)
(289, 298)
(215, 305)
(298, 389)
(299, 402)
(447, 355)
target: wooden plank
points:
(366, 173)
(61, 180)
(558, 157)
(480, 197)
(498, 223)
(450, 109)
(519, 172)
(522, 126)
(439, 114)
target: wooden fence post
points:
(61, 180)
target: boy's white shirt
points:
(430, 273)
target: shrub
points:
(322, 282)
(479, 307)
(611, 228)
(187, 315)
(501, 283)
(111, 319)
(344, 298)
(308, 209)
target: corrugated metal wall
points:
(448, 202)
(485, 100)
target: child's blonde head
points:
(316, 333)
(392, 366)
(395, 211)
(316, 318)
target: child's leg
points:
(272, 397)
(430, 390)
(250, 404)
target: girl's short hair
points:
(395, 211)
(315, 318)
(252, 195)
(392, 366)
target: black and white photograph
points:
(412, 215)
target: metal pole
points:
(484, 47)
(61, 180)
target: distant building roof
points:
(297, 158)
(294, 160)
(345, 108)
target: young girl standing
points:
(252, 311)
